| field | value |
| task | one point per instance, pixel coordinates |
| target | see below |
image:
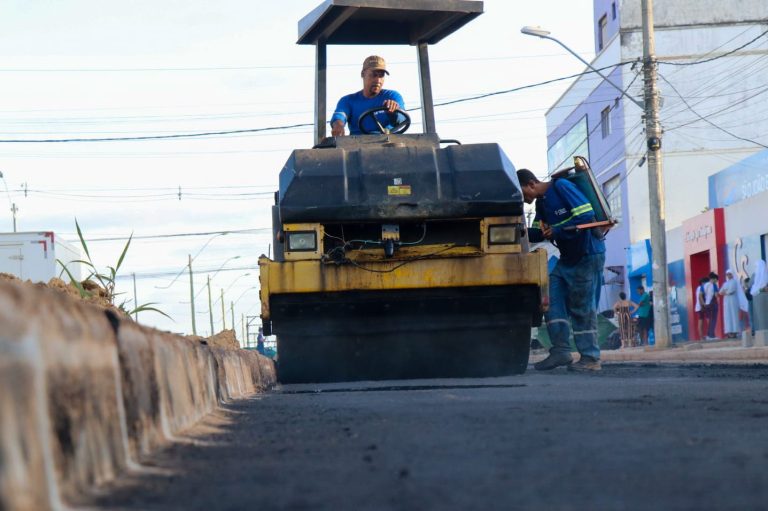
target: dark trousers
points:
(712, 310)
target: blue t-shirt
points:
(352, 105)
(565, 205)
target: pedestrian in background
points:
(745, 306)
(711, 290)
(575, 279)
(623, 310)
(702, 314)
(643, 314)
(650, 314)
(260, 341)
(729, 292)
(760, 282)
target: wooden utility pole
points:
(210, 304)
(232, 312)
(192, 296)
(14, 210)
(223, 312)
(655, 184)
(242, 326)
(135, 299)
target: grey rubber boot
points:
(554, 360)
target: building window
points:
(612, 191)
(605, 121)
(602, 31)
(575, 142)
(613, 10)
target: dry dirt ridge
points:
(223, 339)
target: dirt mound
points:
(97, 295)
(8, 276)
(224, 339)
(61, 286)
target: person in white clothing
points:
(729, 292)
(760, 281)
(744, 314)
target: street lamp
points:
(243, 293)
(210, 304)
(544, 34)
(188, 267)
(191, 259)
(234, 281)
(210, 311)
(232, 308)
(224, 264)
(230, 286)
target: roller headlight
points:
(302, 241)
(502, 234)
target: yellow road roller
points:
(398, 255)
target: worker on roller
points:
(574, 283)
(372, 95)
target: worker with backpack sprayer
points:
(571, 221)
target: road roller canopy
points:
(382, 22)
(386, 21)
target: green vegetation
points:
(106, 280)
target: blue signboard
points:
(740, 181)
(678, 302)
(640, 259)
(639, 272)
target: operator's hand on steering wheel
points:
(391, 105)
(393, 111)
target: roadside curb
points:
(718, 352)
(85, 395)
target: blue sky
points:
(92, 69)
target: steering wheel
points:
(398, 128)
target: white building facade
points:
(713, 82)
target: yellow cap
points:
(375, 62)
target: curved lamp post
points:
(232, 305)
(544, 34)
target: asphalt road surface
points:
(632, 437)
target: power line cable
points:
(725, 82)
(275, 128)
(714, 58)
(247, 68)
(707, 120)
(155, 137)
(183, 234)
(712, 114)
(156, 275)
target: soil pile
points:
(97, 295)
(224, 339)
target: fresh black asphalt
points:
(632, 437)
